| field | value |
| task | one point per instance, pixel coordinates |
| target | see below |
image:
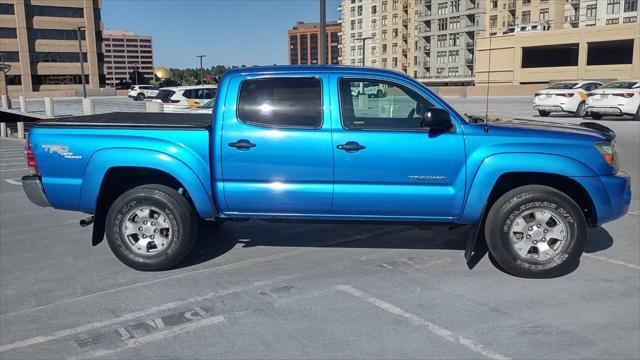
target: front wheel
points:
(543, 113)
(536, 231)
(151, 227)
(140, 97)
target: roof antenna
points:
(486, 113)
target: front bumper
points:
(610, 194)
(35, 192)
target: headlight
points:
(609, 152)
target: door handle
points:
(242, 144)
(351, 146)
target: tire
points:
(176, 227)
(543, 113)
(532, 259)
(596, 116)
(140, 97)
(379, 94)
(580, 110)
(636, 117)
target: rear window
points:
(133, 87)
(620, 85)
(200, 94)
(165, 94)
(281, 102)
(563, 85)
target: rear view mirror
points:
(437, 119)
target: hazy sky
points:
(229, 32)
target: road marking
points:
(416, 320)
(634, 212)
(18, 163)
(13, 182)
(14, 158)
(3, 170)
(613, 261)
(155, 337)
(98, 324)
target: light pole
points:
(323, 32)
(84, 85)
(364, 50)
(201, 78)
(5, 69)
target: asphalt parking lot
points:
(263, 290)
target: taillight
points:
(589, 94)
(31, 159)
(566, 94)
(624, 95)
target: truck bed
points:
(132, 119)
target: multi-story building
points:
(377, 33)
(581, 13)
(445, 42)
(304, 43)
(503, 14)
(38, 39)
(124, 53)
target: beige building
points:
(378, 33)
(563, 54)
(124, 53)
(581, 13)
(38, 38)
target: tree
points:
(138, 79)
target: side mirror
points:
(437, 119)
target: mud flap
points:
(472, 239)
(98, 227)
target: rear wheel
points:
(151, 227)
(581, 110)
(536, 231)
(636, 117)
(140, 97)
(543, 113)
(596, 116)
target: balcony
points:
(575, 3)
(468, 61)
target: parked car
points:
(615, 98)
(185, 98)
(274, 149)
(141, 92)
(541, 26)
(206, 108)
(564, 96)
(372, 90)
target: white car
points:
(141, 92)
(185, 98)
(615, 98)
(564, 96)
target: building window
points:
(394, 62)
(7, 9)
(384, 34)
(544, 14)
(394, 33)
(526, 2)
(443, 24)
(384, 49)
(359, 24)
(58, 79)
(550, 56)
(54, 34)
(8, 33)
(395, 5)
(352, 11)
(613, 21)
(56, 57)
(454, 23)
(360, 10)
(613, 7)
(441, 57)
(493, 21)
(443, 8)
(54, 11)
(591, 11)
(610, 52)
(494, 4)
(455, 6)
(526, 17)
(384, 62)
(304, 52)
(9, 56)
(313, 39)
(374, 9)
(442, 41)
(14, 79)
(454, 56)
(394, 19)
(630, 5)
(454, 39)
(453, 72)
(374, 24)
(384, 6)
(384, 21)
(630, 19)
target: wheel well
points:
(561, 183)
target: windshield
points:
(165, 94)
(563, 85)
(619, 85)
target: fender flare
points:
(494, 166)
(104, 160)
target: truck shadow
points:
(215, 241)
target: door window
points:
(281, 102)
(380, 105)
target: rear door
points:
(387, 163)
(276, 146)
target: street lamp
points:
(201, 78)
(323, 32)
(364, 51)
(5, 68)
(84, 85)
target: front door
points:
(387, 161)
(276, 147)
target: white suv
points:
(615, 98)
(185, 98)
(140, 92)
(564, 96)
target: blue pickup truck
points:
(302, 143)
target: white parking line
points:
(13, 182)
(613, 261)
(98, 324)
(154, 337)
(13, 158)
(14, 169)
(17, 163)
(416, 320)
(634, 212)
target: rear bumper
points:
(35, 192)
(549, 108)
(608, 110)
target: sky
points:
(228, 32)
